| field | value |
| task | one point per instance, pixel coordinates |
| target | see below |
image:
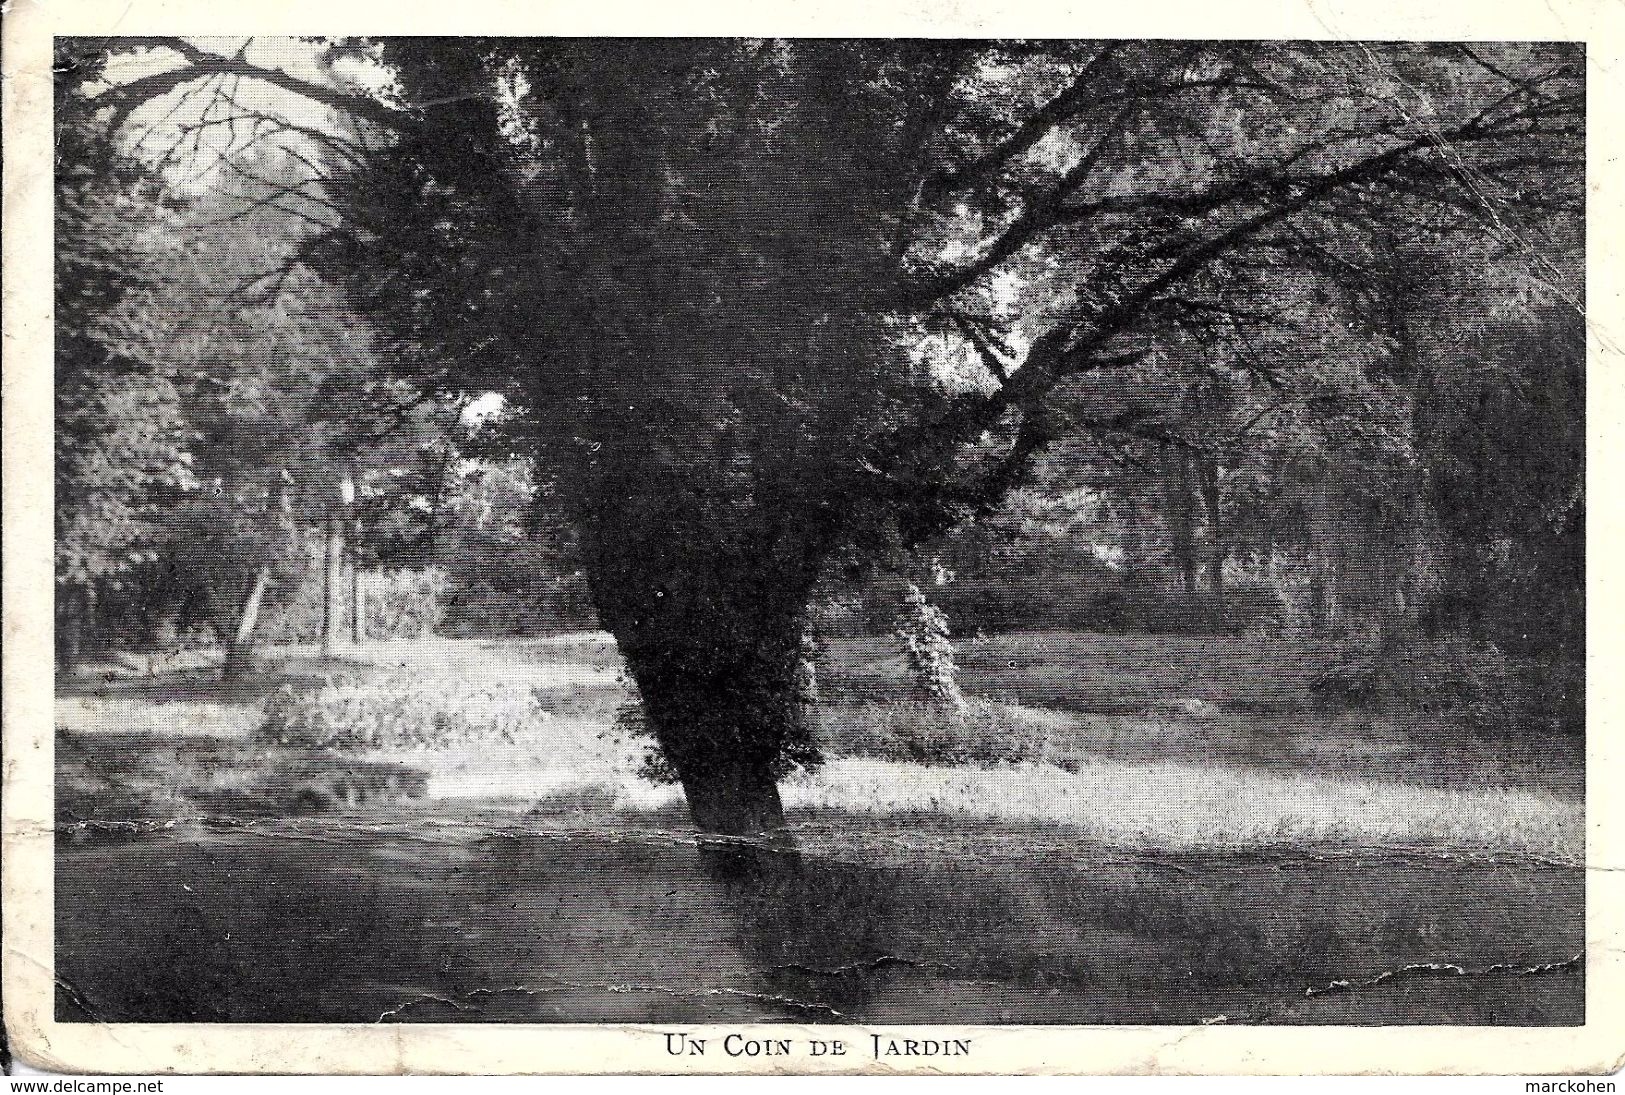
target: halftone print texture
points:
(840, 531)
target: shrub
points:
(1555, 688)
(982, 733)
(923, 629)
(401, 603)
(404, 604)
(497, 588)
(1493, 693)
(800, 753)
(348, 713)
(1433, 676)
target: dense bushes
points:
(1432, 676)
(1093, 600)
(982, 733)
(401, 604)
(1494, 693)
(404, 604)
(350, 713)
(513, 600)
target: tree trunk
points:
(1320, 617)
(731, 797)
(78, 605)
(240, 650)
(1218, 550)
(1217, 553)
(1409, 553)
(714, 645)
(358, 606)
(1176, 485)
(332, 587)
(722, 714)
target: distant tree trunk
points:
(332, 587)
(1402, 558)
(358, 606)
(1176, 486)
(1402, 523)
(1345, 599)
(78, 608)
(1218, 549)
(1323, 527)
(240, 651)
(1320, 614)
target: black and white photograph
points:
(744, 535)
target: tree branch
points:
(1026, 135)
(124, 99)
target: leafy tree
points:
(777, 307)
(1506, 455)
(290, 405)
(203, 433)
(120, 435)
(512, 563)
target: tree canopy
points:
(768, 308)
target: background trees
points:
(120, 436)
(769, 311)
(203, 430)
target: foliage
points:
(767, 310)
(923, 629)
(120, 434)
(200, 432)
(1506, 453)
(1495, 694)
(1434, 676)
(401, 603)
(404, 604)
(813, 647)
(352, 713)
(981, 732)
(288, 402)
(1122, 269)
(512, 565)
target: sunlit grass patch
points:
(1399, 747)
(1170, 763)
(1171, 805)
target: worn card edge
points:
(28, 980)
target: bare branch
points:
(126, 98)
(1026, 135)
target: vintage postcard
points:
(821, 540)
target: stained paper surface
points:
(1132, 597)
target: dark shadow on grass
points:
(205, 683)
(346, 920)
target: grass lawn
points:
(1137, 742)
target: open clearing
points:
(1136, 741)
(1116, 831)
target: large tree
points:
(120, 433)
(773, 306)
